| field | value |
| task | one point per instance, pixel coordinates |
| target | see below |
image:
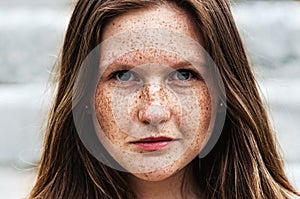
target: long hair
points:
(244, 163)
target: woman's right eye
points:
(124, 76)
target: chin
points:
(158, 175)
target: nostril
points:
(162, 121)
(146, 122)
(154, 123)
(153, 115)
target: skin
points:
(153, 100)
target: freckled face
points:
(153, 106)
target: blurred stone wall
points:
(31, 35)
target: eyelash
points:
(114, 74)
(193, 74)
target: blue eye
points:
(182, 75)
(124, 75)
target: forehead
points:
(160, 29)
(161, 17)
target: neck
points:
(169, 188)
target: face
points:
(154, 102)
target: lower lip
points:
(152, 146)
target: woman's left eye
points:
(182, 75)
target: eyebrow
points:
(188, 64)
(182, 64)
(120, 66)
(175, 66)
(115, 67)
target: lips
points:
(153, 143)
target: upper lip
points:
(154, 139)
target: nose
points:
(155, 107)
(154, 115)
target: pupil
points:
(183, 75)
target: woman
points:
(138, 99)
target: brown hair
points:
(244, 163)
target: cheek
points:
(196, 114)
(104, 112)
(204, 106)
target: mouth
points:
(153, 143)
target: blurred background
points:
(31, 35)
